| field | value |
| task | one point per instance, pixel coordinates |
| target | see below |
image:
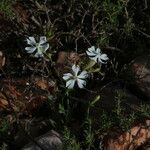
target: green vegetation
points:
(6, 8)
(4, 146)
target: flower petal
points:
(92, 54)
(43, 40)
(91, 49)
(70, 83)
(83, 75)
(75, 69)
(67, 76)
(101, 61)
(81, 83)
(31, 41)
(30, 49)
(104, 57)
(98, 50)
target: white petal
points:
(83, 75)
(101, 61)
(44, 47)
(90, 53)
(81, 83)
(67, 76)
(70, 83)
(75, 69)
(104, 57)
(31, 41)
(91, 49)
(30, 49)
(42, 40)
(98, 50)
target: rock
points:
(107, 101)
(48, 141)
(65, 61)
(109, 94)
(140, 69)
(132, 139)
(34, 127)
(65, 58)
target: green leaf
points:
(94, 70)
(90, 64)
(61, 109)
(97, 98)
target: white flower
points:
(40, 47)
(71, 79)
(96, 55)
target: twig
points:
(86, 39)
(114, 48)
(145, 34)
(146, 5)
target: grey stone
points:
(48, 141)
(140, 69)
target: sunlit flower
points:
(75, 77)
(97, 55)
(40, 48)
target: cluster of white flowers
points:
(76, 76)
